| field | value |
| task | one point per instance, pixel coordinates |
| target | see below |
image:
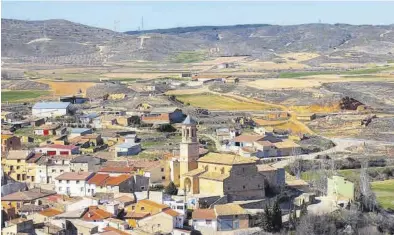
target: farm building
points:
(175, 114)
(50, 129)
(127, 149)
(74, 132)
(57, 149)
(73, 99)
(88, 118)
(306, 116)
(51, 109)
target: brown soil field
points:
(269, 65)
(312, 81)
(299, 57)
(67, 88)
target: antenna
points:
(142, 23)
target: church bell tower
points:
(189, 146)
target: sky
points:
(127, 15)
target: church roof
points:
(188, 121)
(226, 159)
(214, 176)
(195, 172)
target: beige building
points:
(215, 174)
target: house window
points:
(67, 181)
(162, 169)
(142, 208)
(53, 171)
(60, 189)
(179, 207)
(142, 187)
(208, 222)
(60, 181)
(243, 187)
(163, 177)
(77, 182)
(18, 161)
(61, 171)
(88, 190)
(81, 189)
(243, 169)
(17, 167)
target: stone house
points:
(10, 142)
(50, 129)
(50, 167)
(86, 163)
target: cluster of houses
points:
(263, 143)
(59, 181)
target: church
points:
(214, 174)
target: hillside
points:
(65, 42)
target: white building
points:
(72, 183)
(51, 109)
(50, 167)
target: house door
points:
(46, 132)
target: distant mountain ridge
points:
(61, 41)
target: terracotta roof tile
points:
(203, 214)
(114, 181)
(171, 212)
(137, 215)
(98, 179)
(50, 212)
(152, 204)
(95, 213)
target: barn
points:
(51, 109)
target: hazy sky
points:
(178, 14)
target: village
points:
(139, 161)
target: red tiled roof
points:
(204, 214)
(50, 212)
(171, 212)
(98, 179)
(113, 181)
(160, 117)
(95, 213)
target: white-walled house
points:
(50, 167)
(58, 149)
(204, 218)
(72, 183)
(51, 109)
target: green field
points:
(384, 191)
(351, 72)
(12, 96)
(217, 102)
(350, 174)
(188, 57)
